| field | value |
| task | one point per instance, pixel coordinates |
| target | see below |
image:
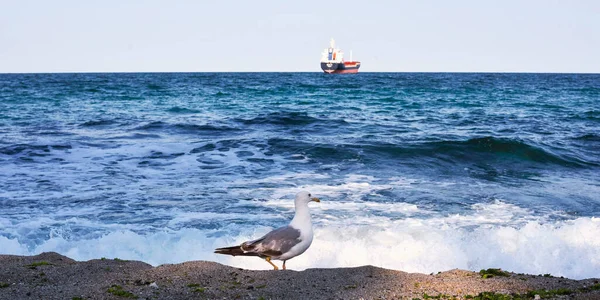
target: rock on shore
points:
(53, 276)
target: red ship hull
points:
(348, 67)
(346, 71)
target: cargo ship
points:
(332, 61)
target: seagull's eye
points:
(309, 195)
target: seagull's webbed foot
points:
(268, 259)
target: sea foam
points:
(563, 248)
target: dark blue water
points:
(417, 171)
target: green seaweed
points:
(595, 287)
(196, 288)
(493, 296)
(489, 273)
(118, 290)
(543, 294)
(36, 264)
(439, 296)
(4, 285)
(549, 293)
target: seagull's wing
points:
(274, 243)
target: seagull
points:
(282, 243)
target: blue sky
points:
(391, 36)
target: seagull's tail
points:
(235, 251)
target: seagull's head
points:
(305, 197)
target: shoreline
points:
(50, 275)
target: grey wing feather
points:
(274, 243)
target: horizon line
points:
(366, 72)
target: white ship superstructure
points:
(332, 54)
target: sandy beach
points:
(53, 276)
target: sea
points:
(419, 172)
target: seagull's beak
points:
(315, 199)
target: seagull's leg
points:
(268, 259)
(284, 264)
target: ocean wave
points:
(185, 128)
(317, 151)
(282, 118)
(32, 149)
(589, 115)
(589, 90)
(484, 150)
(133, 136)
(155, 87)
(475, 151)
(592, 114)
(100, 122)
(182, 110)
(589, 137)
(565, 248)
(506, 148)
(221, 94)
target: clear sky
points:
(278, 35)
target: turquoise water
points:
(418, 172)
